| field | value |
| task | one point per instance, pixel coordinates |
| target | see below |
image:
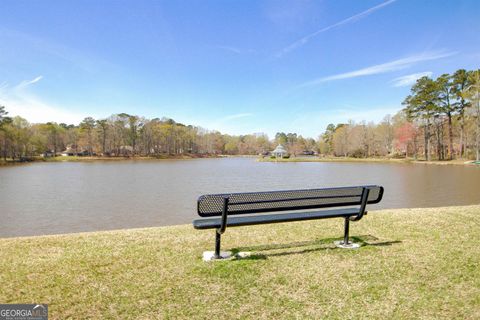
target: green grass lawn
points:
(414, 264)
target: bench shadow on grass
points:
(260, 252)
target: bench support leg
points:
(218, 237)
(345, 231)
(345, 244)
(216, 255)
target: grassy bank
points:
(418, 263)
(378, 160)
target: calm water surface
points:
(50, 198)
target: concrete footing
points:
(350, 245)
(224, 255)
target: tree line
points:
(119, 135)
(440, 119)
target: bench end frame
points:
(221, 230)
(363, 205)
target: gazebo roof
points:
(279, 149)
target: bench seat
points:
(237, 221)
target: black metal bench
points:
(349, 203)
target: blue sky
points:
(235, 66)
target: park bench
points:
(220, 211)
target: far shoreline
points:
(11, 162)
(368, 160)
(37, 159)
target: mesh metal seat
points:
(253, 205)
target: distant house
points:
(84, 153)
(68, 152)
(126, 150)
(279, 152)
(48, 154)
(308, 153)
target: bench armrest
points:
(363, 205)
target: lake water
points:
(51, 198)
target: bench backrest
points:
(257, 202)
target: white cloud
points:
(36, 111)
(381, 68)
(26, 83)
(410, 79)
(348, 20)
(20, 102)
